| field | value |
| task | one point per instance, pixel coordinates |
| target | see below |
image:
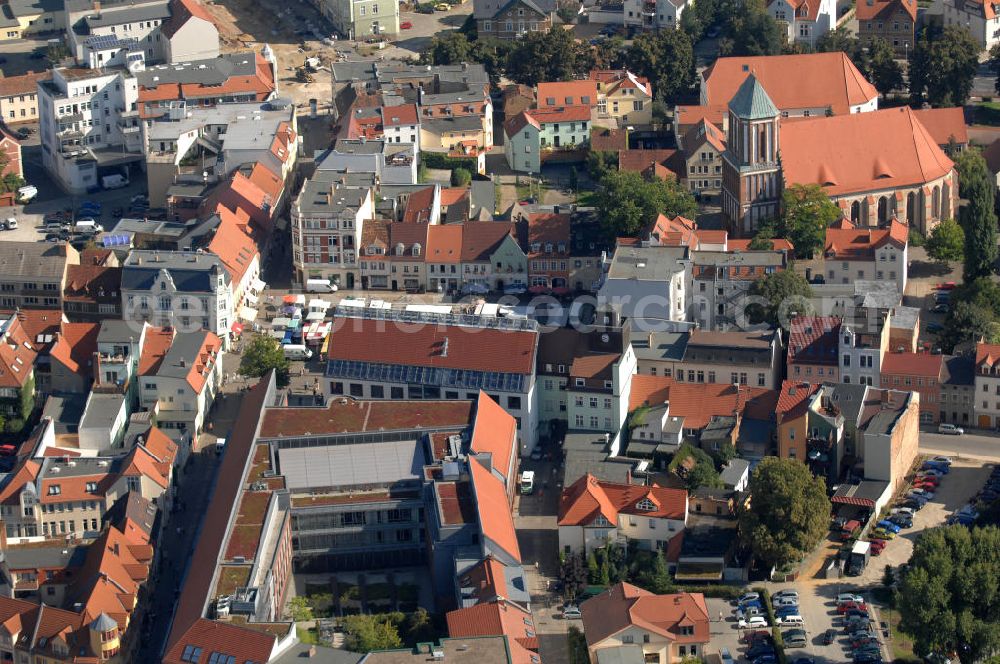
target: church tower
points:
(751, 174)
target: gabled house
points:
(891, 20)
(509, 19)
(594, 512)
(623, 98)
(804, 21)
(879, 254)
(627, 623)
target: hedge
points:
(779, 642)
(444, 162)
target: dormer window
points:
(536, 247)
(548, 247)
(55, 489)
(645, 505)
(416, 249)
(91, 487)
(399, 249)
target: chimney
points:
(97, 7)
(97, 368)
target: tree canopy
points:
(946, 241)
(752, 32)
(365, 633)
(782, 293)
(978, 218)
(949, 597)
(666, 58)
(789, 513)
(263, 353)
(943, 65)
(806, 214)
(695, 467)
(626, 202)
(548, 56)
(883, 69)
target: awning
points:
(248, 314)
(288, 299)
(237, 327)
(251, 299)
(257, 286)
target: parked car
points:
(746, 612)
(947, 285)
(829, 636)
(860, 614)
(902, 520)
(752, 622)
(405, 25)
(950, 429)
(571, 613)
(881, 534)
(941, 459)
(760, 648)
(785, 601)
(885, 524)
(748, 597)
(849, 597)
(785, 593)
(941, 309)
(847, 606)
(794, 638)
(927, 493)
(878, 546)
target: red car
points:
(7, 450)
(406, 25)
(947, 285)
(926, 482)
(877, 547)
(847, 606)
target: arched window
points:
(883, 209)
(936, 202)
(416, 248)
(855, 211)
(399, 249)
(911, 208)
(946, 212)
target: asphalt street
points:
(975, 444)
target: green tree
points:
(548, 56)
(610, 53)
(943, 65)
(419, 627)
(753, 32)
(593, 568)
(946, 241)
(968, 321)
(695, 466)
(649, 571)
(666, 58)
(994, 60)
(448, 48)
(626, 202)
(365, 633)
(806, 214)
(978, 218)
(263, 353)
(599, 162)
(461, 177)
(789, 513)
(783, 293)
(885, 72)
(300, 609)
(949, 597)
(573, 574)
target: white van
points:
(220, 445)
(87, 226)
(297, 352)
(788, 621)
(320, 286)
(10, 224)
(27, 193)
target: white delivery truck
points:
(114, 181)
(26, 193)
(320, 286)
(87, 226)
(297, 352)
(527, 482)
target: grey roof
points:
(461, 123)
(65, 410)
(877, 294)
(659, 345)
(625, 654)
(850, 398)
(166, 229)
(36, 557)
(42, 260)
(133, 507)
(884, 421)
(647, 263)
(905, 318)
(959, 370)
(302, 652)
(349, 178)
(359, 146)
(183, 353)
(12, 9)
(326, 197)
(739, 259)
(734, 471)
(751, 102)
(353, 465)
(483, 196)
(128, 14)
(117, 331)
(102, 409)
(754, 432)
(211, 71)
(869, 489)
(490, 8)
(103, 623)
(190, 271)
(586, 453)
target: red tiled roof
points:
(468, 348)
(868, 10)
(180, 12)
(697, 403)
(481, 238)
(272, 185)
(583, 500)
(233, 242)
(494, 433)
(404, 114)
(625, 605)
(944, 124)
(515, 124)
(567, 93)
(860, 244)
(23, 84)
(925, 365)
(246, 645)
(456, 503)
(76, 346)
(813, 80)
(794, 399)
(560, 114)
(777, 244)
(988, 354)
(547, 227)
(639, 160)
(155, 346)
(495, 519)
(39, 325)
(861, 152)
(814, 340)
(419, 206)
(17, 356)
(496, 619)
(444, 243)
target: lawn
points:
(988, 113)
(587, 199)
